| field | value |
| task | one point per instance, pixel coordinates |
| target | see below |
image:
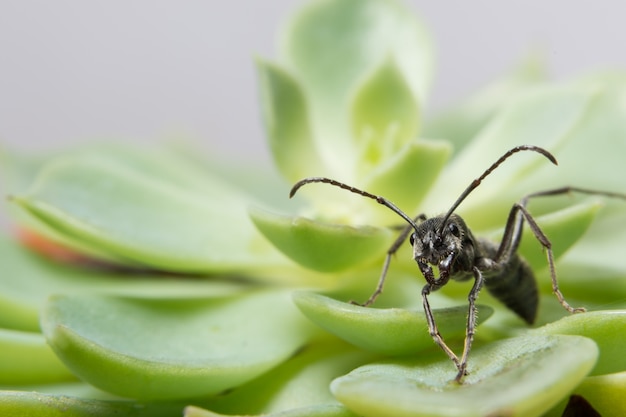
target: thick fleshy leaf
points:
(26, 358)
(563, 119)
(545, 117)
(391, 331)
(22, 403)
(597, 129)
(313, 411)
(28, 280)
(460, 123)
(285, 112)
(331, 46)
(605, 393)
(564, 228)
(606, 328)
(385, 115)
(595, 267)
(320, 246)
(164, 348)
(523, 376)
(407, 177)
(299, 383)
(145, 220)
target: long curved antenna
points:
(378, 199)
(489, 170)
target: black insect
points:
(446, 242)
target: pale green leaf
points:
(523, 376)
(298, 384)
(460, 123)
(334, 43)
(320, 246)
(385, 115)
(392, 331)
(606, 328)
(285, 112)
(26, 358)
(23, 403)
(147, 221)
(28, 280)
(312, 411)
(331, 46)
(605, 393)
(563, 228)
(407, 177)
(165, 349)
(545, 117)
(595, 267)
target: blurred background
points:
(74, 71)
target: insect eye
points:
(412, 239)
(454, 229)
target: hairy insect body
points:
(445, 242)
(512, 283)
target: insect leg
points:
(433, 284)
(513, 233)
(545, 242)
(432, 327)
(471, 322)
(392, 250)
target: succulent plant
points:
(155, 281)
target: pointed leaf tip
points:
(320, 246)
(385, 114)
(287, 123)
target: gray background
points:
(72, 71)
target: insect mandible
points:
(445, 241)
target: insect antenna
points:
(378, 199)
(489, 170)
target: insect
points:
(446, 242)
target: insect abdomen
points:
(515, 287)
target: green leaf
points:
(407, 177)
(523, 376)
(606, 328)
(545, 117)
(319, 246)
(385, 115)
(28, 280)
(26, 358)
(145, 220)
(166, 349)
(563, 228)
(600, 125)
(312, 411)
(286, 118)
(605, 393)
(595, 267)
(392, 331)
(20, 403)
(560, 118)
(301, 383)
(331, 46)
(460, 123)
(333, 43)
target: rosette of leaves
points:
(178, 284)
